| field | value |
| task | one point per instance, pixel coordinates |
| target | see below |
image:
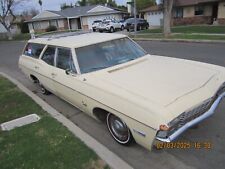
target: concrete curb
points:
(180, 40)
(104, 153)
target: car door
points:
(46, 64)
(66, 79)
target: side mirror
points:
(70, 72)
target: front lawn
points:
(46, 144)
(191, 29)
(179, 36)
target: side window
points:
(33, 50)
(49, 55)
(64, 60)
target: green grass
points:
(181, 36)
(46, 144)
(190, 29)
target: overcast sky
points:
(52, 4)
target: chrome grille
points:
(192, 114)
(186, 117)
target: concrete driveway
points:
(211, 130)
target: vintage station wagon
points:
(141, 97)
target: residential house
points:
(198, 12)
(153, 15)
(190, 12)
(73, 18)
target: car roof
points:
(76, 41)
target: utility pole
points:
(133, 3)
(135, 18)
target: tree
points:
(167, 13)
(33, 12)
(40, 3)
(30, 12)
(112, 3)
(95, 2)
(64, 6)
(141, 4)
(82, 3)
(7, 16)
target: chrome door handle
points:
(84, 104)
(36, 67)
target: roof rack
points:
(60, 34)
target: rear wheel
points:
(44, 91)
(119, 130)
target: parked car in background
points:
(141, 24)
(122, 24)
(139, 96)
(110, 26)
(95, 25)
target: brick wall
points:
(221, 21)
(192, 20)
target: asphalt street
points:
(209, 131)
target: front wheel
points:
(119, 130)
(111, 30)
(122, 28)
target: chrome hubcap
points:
(119, 128)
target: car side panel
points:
(67, 87)
(143, 135)
(28, 65)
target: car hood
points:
(160, 80)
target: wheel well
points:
(100, 113)
(34, 78)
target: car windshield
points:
(130, 20)
(107, 54)
(106, 22)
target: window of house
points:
(37, 25)
(53, 23)
(49, 55)
(199, 10)
(33, 50)
(178, 13)
(64, 60)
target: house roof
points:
(152, 8)
(192, 2)
(75, 12)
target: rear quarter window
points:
(33, 50)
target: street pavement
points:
(211, 130)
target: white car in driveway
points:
(95, 25)
(110, 26)
(141, 97)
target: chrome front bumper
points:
(193, 122)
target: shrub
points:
(51, 28)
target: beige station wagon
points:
(141, 97)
